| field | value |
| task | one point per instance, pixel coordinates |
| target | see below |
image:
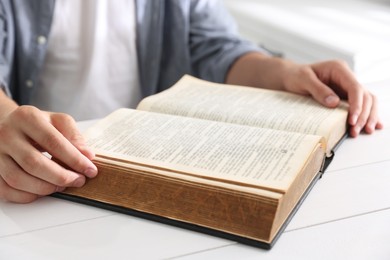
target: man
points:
(86, 58)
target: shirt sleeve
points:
(214, 41)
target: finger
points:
(18, 179)
(45, 169)
(356, 102)
(318, 90)
(343, 77)
(35, 163)
(13, 195)
(363, 116)
(373, 121)
(51, 140)
(67, 126)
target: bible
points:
(230, 161)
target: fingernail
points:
(354, 119)
(331, 100)
(370, 128)
(91, 171)
(357, 130)
(79, 182)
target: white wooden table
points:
(346, 216)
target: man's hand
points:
(25, 172)
(327, 82)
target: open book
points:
(227, 160)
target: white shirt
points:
(91, 63)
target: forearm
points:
(258, 70)
(7, 105)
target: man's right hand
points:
(26, 173)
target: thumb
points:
(68, 128)
(322, 93)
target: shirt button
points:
(29, 83)
(41, 39)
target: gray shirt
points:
(174, 37)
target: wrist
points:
(259, 70)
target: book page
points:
(214, 150)
(192, 97)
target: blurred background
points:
(357, 31)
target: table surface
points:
(346, 216)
